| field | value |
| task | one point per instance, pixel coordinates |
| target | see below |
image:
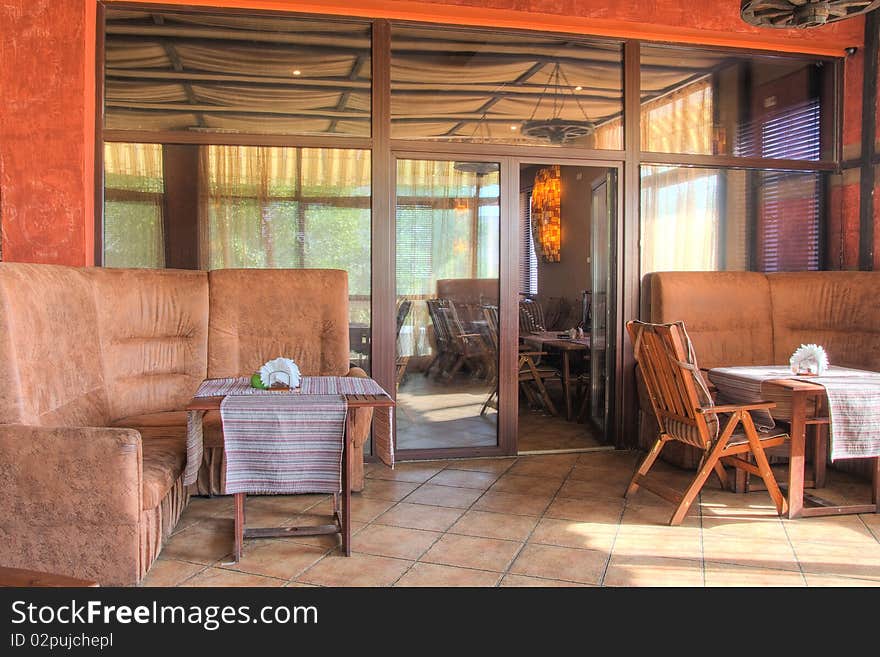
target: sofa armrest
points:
(72, 502)
(69, 474)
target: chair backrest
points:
(436, 309)
(531, 316)
(403, 308)
(491, 315)
(672, 377)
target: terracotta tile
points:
(755, 552)
(523, 580)
(430, 574)
(573, 534)
(170, 572)
(363, 509)
(651, 515)
(387, 490)
(835, 581)
(482, 465)
(459, 498)
(204, 543)
(554, 562)
(770, 528)
(624, 460)
(605, 511)
(597, 487)
(833, 529)
(522, 485)
(625, 570)
(223, 577)
(419, 516)
(550, 459)
(464, 478)
(415, 472)
(736, 575)
(660, 541)
(472, 552)
(282, 558)
(531, 467)
(494, 525)
(356, 570)
(856, 560)
(208, 507)
(526, 505)
(397, 542)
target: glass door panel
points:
(447, 266)
(601, 367)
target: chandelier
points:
(802, 13)
(557, 130)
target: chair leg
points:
(693, 490)
(763, 464)
(486, 403)
(645, 465)
(722, 475)
(539, 382)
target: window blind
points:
(528, 269)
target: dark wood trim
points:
(180, 170)
(838, 110)
(508, 334)
(225, 139)
(869, 134)
(99, 135)
(734, 162)
(625, 255)
(449, 453)
(384, 284)
(823, 185)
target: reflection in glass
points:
(699, 219)
(704, 102)
(207, 73)
(448, 249)
(488, 86)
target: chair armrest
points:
(730, 408)
(71, 475)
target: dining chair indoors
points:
(686, 412)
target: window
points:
(528, 269)
(134, 197)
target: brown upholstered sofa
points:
(749, 318)
(96, 367)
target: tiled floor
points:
(550, 520)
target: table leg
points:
(796, 459)
(346, 496)
(239, 526)
(820, 455)
(566, 384)
(875, 487)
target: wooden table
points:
(551, 339)
(803, 404)
(28, 578)
(341, 516)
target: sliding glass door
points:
(448, 254)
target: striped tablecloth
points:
(321, 386)
(853, 402)
(283, 443)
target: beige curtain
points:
(679, 205)
(134, 198)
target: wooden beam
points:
(869, 134)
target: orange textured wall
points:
(47, 82)
(42, 154)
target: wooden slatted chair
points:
(528, 371)
(686, 412)
(403, 308)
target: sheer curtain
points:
(680, 205)
(267, 207)
(134, 199)
(447, 227)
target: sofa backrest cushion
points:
(836, 309)
(260, 314)
(153, 327)
(727, 314)
(50, 355)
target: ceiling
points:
(200, 72)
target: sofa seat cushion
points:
(212, 426)
(164, 457)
